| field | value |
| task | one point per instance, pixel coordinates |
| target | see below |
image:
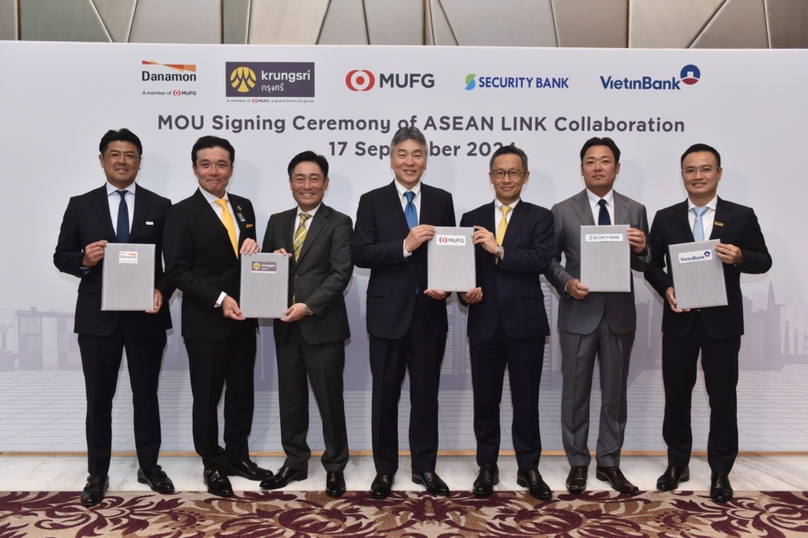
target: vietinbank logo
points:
(362, 80)
(505, 82)
(689, 75)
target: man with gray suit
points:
(594, 324)
(310, 340)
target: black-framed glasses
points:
(513, 174)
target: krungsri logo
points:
(242, 79)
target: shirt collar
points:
(499, 204)
(112, 189)
(594, 198)
(310, 212)
(212, 198)
(711, 204)
(401, 190)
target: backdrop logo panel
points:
(269, 79)
(362, 80)
(500, 82)
(689, 75)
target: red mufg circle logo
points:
(360, 80)
(177, 93)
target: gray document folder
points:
(451, 260)
(264, 285)
(698, 275)
(127, 277)
(606, 258)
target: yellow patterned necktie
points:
(503, 225)
(227, 220)
(300, 234)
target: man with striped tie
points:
(310, 340)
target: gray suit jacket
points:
(582, 317)
(320, 275)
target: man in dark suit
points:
(406, 321)
(119, 212)
(716, 331)
(203, 237)
(310, 340)
(507, 322)
(594, 324)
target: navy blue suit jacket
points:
(512, 288)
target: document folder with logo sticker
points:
(698, 275)
(450, 266)
(606, 258)
(264, 285)
(127, 277)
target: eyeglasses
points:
(513, 174)
(705, 170)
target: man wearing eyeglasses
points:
(593, 324)
(507, 322)
(716, 331)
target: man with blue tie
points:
(119, 212)
(715, 332)
(406, 321)
(507, 322)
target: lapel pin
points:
(719, 224)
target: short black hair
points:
(598, 141)
(408, 133)
(696, 148)
(308, 157)
(213, 142)
(121, 135)
(508, 150)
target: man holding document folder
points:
(507, 322)
(310, 340)
(595, 323)
(118, 212)
(715, 331)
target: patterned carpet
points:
(404, 514)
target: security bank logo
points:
(689, 75)
(498, 82)
(269, 79)
(242, 79)
(360, 80)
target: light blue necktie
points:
(409, 212)
(698, 226)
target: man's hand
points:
(231, 310)
(282, 251)
(295, 312)
(474, 295)
(250, 247)
(577, 290)
(483, 237)
(637, 240)
(158, 302)
(93, 253)
(729, 254)
(670, 295)
(436, 294)
(418, 236)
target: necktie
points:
(123, 219)
(698, 225)
(410, 212)
(603, 216)
(227, 220)
(300, 234)
(503, 225)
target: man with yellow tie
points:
(202, 239)
(507, 322)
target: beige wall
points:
(542, 23)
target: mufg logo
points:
(689, 75)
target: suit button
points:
(295, 276)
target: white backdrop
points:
(58, 99)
